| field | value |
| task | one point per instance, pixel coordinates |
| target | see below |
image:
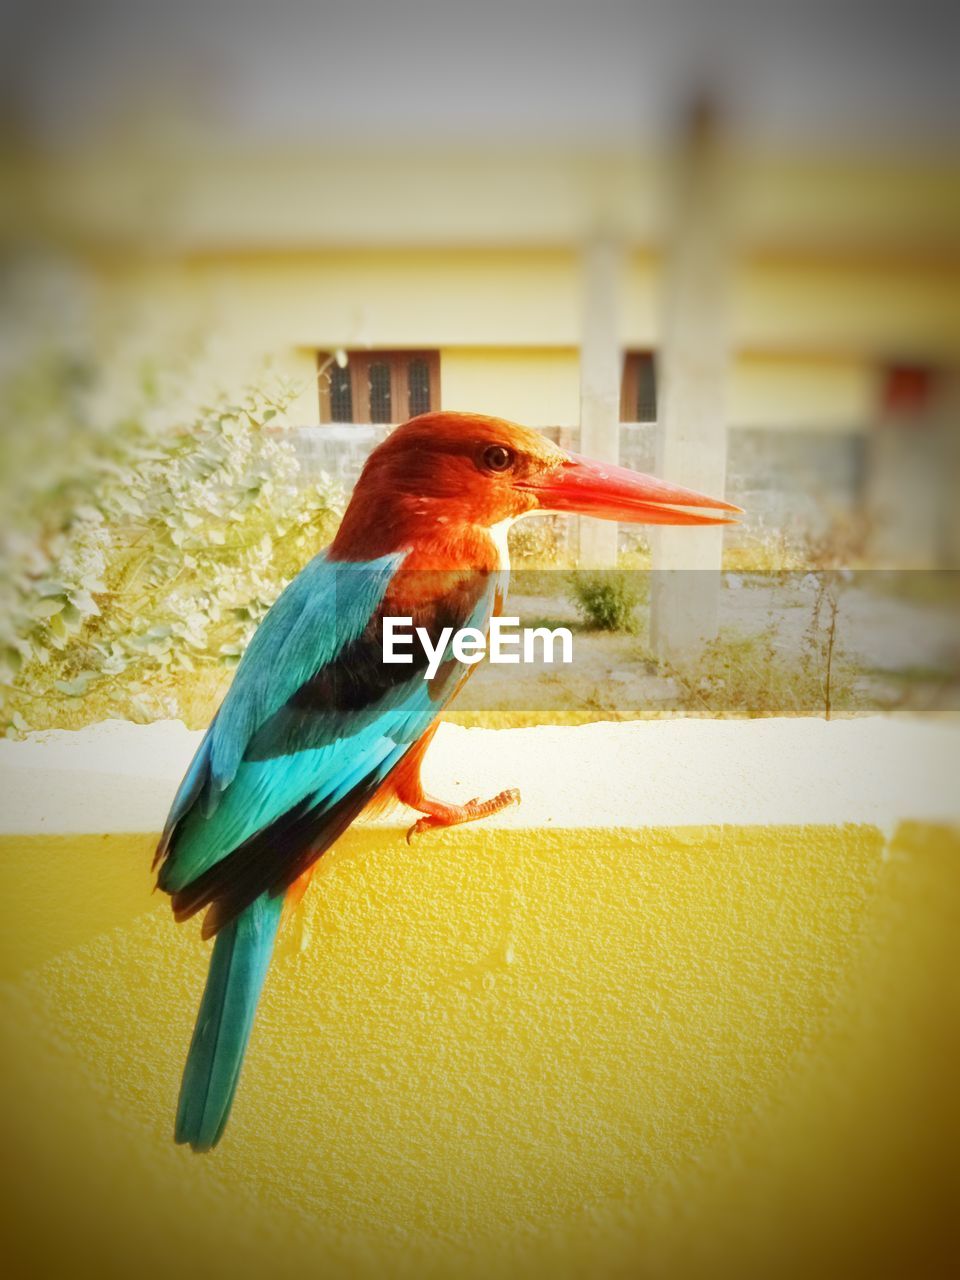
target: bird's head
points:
(481, 471)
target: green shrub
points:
(755, 675)
(607, 599)
(635, 552)
(540, 542)
(138, 577)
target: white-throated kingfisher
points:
(316, 728)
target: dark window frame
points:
(908, 391)
(639, 389)
(359, 365)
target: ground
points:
(894, 652)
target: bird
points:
(316, 728)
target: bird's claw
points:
(455, 815)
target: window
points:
(339, 394)
(638, 387)
(908, 392)
(378, 386)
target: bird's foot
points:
(439, 814)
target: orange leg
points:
(406, 786)
(437, 814)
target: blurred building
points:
(416, 238)
(456, 283)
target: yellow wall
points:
(848, 304)
(535, 386)
(839, 257)
(542, 387)
(322, 192)
(665, 1052)
(809, 332)
(807, 392)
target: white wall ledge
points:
(119, 777)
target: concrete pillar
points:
(693, 364)
(950, 483)
(600, 364)
(913, 470)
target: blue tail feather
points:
(238, 967)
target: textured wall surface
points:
(597, 1050)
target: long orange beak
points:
(600, 489)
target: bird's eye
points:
(497, 457)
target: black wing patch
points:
(351, 692)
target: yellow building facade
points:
(839, 265)
(811, 339)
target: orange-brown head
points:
(464, 470)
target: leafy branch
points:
(159, 551)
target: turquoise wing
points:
(312, 726)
